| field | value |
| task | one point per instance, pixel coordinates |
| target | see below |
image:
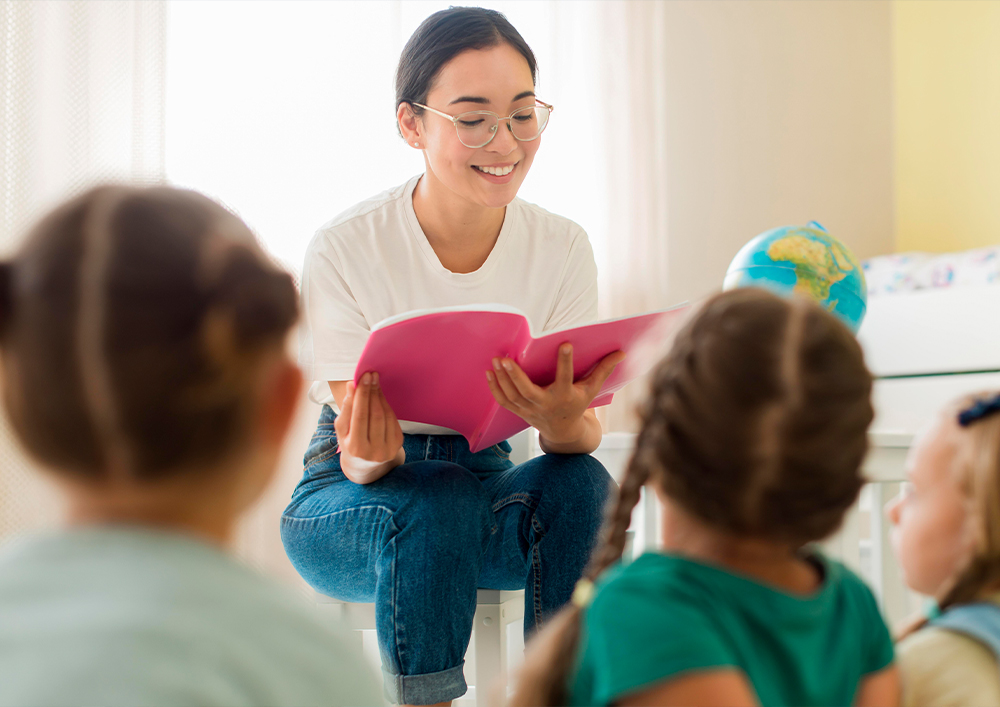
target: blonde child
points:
(947, 537)
(752, 437)
(143, 364)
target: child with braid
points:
(143, 364)
(947, 537)
(752, 437)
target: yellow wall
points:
(947, 123)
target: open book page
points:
(644, 339)
(432, 364)
(432, 367)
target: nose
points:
(503, 141)
(892, 508)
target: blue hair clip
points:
(984, 407)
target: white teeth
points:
(496, 171)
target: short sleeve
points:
(880, 651)
(576, 301)
(625, 651)
(333, 330)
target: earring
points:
(416, 144)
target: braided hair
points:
(755, 423)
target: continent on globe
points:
(806, 261)
(817, 265)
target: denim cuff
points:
(426, 689)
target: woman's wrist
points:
(583, 437)
(363, 471)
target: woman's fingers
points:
(393, 432)
(359, 417)
(506, 385)
(516, 384)
(376, 414)
(592, 383)
(343, 422)
(564, 366)
(498, 394)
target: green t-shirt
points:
(126, 616)
(663, 615)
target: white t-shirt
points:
(374, 261)
(131, 616)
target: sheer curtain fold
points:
(632, 88)
(81, 100)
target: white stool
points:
(495, 610)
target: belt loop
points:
(427, 449)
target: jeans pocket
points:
(322, 446)
(502, 450)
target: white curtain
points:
(81, 100)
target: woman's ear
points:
(409, 125)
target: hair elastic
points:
(984, 407)
(583, 594)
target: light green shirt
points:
(139, 617)
(664, 615)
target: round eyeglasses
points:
(477, 128)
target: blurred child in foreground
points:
(752, 437)
(143, 366)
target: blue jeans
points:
(419, 542)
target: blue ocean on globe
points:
(804, 260)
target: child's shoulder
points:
(655, 588)
(844, 580)
(940, 666)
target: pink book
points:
(432, 363)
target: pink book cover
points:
(432, 363)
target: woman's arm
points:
(368, 433)
(559, 411)
(724, 687)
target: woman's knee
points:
(578, 480)
(447, 497)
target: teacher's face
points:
(496, 79)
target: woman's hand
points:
(558, 411)
(370, 438)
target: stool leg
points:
(491, 652)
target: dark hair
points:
(444, 35)
(132, 322)
(755, 424)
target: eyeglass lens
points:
(475, 129)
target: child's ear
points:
(280, 402)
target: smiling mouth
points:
(497, 171)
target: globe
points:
(803, 260)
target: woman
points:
(143, 347)
(404, 514)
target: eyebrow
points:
(485, 101)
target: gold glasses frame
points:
(455, 119)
